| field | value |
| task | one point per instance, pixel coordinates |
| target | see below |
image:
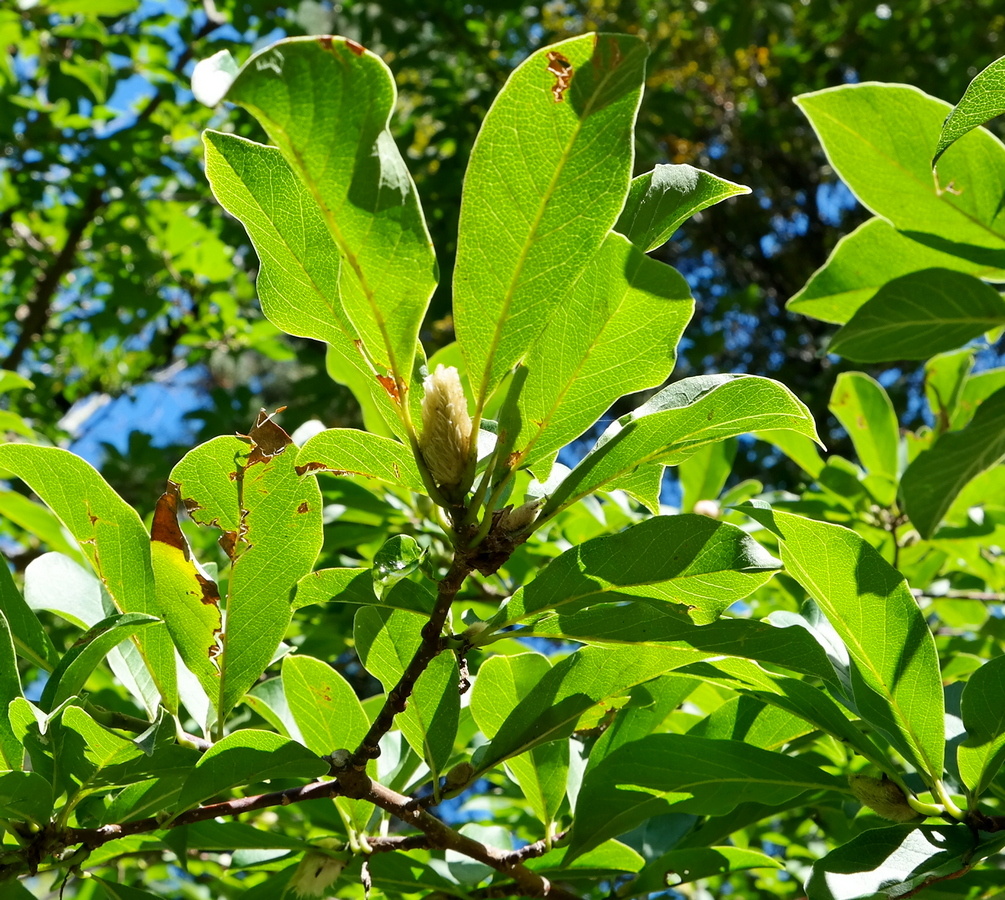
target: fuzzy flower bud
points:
(446, 427)
(513, 520)
(883, 797)
(317, 872)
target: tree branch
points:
(397, 697)
(358, 785)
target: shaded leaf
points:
(355, 586)
(981, 755)
(918, 315)
(664, 772)
(25, 797)
(684, 866)
(937, 475)
(11, 751)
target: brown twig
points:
(397, 697)
(982, 596)
(538, 848)
(358, 785)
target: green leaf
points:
(29, 639)
(25, 797)
(683, 866)
(298, 279)
(566, 691)
(892, 862)
(398, 557)
(864, 409)
(937, 475)
(271, 523)
(678, 420)
(112, 537)
(681, 773)
(660, 201)
(878, 138)
(118, 891)
(896, 679)
(704, 473)
(865, 260)
(324, 706)
(945, 375)
(326, 103)
(238, 836)
(642, 624)
(503, 683)
(248, 757)
(557, 140)
(346, 451)
(983, 100)
(11, 751)
(918, 315)
(690, 560)
(981, 755)
(609, 858)
(386, 640)
(355, 586)
(579, 366)
(976, 389)
(189, 600)
(401, 873)
(752, 721)
(39, 521)
(88, 650)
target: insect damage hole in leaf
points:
(561, 68)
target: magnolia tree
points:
(427, 658)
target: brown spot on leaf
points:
(92, 518)
(303, 507)
(210, 592)
(267, 438)
(561, 68)
(387, 382)
(513, 459)
(358, 49)
(397, 471)
(165, 528)
(325, 40)
(309, 467)
(228, 541)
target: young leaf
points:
(324, 706)
(398, 557)
(248, 757)
(678, 420)
(983, 100)
(346, 451)
(690, 560)
(664, 772)
(504, 682)
(660, 201)
(112, 537)
(864, 409)
(87, 652)
(896, 678)
(579, 366)
(981, 755)
(271, 523)
(918, 315)
(878, 138)
(557, 140)
(865, 260)
(936, 476)
(326, 103)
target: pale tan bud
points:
(707, 508)
(883, 797)
(445, 441)
(511, 520)
(317, 872)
